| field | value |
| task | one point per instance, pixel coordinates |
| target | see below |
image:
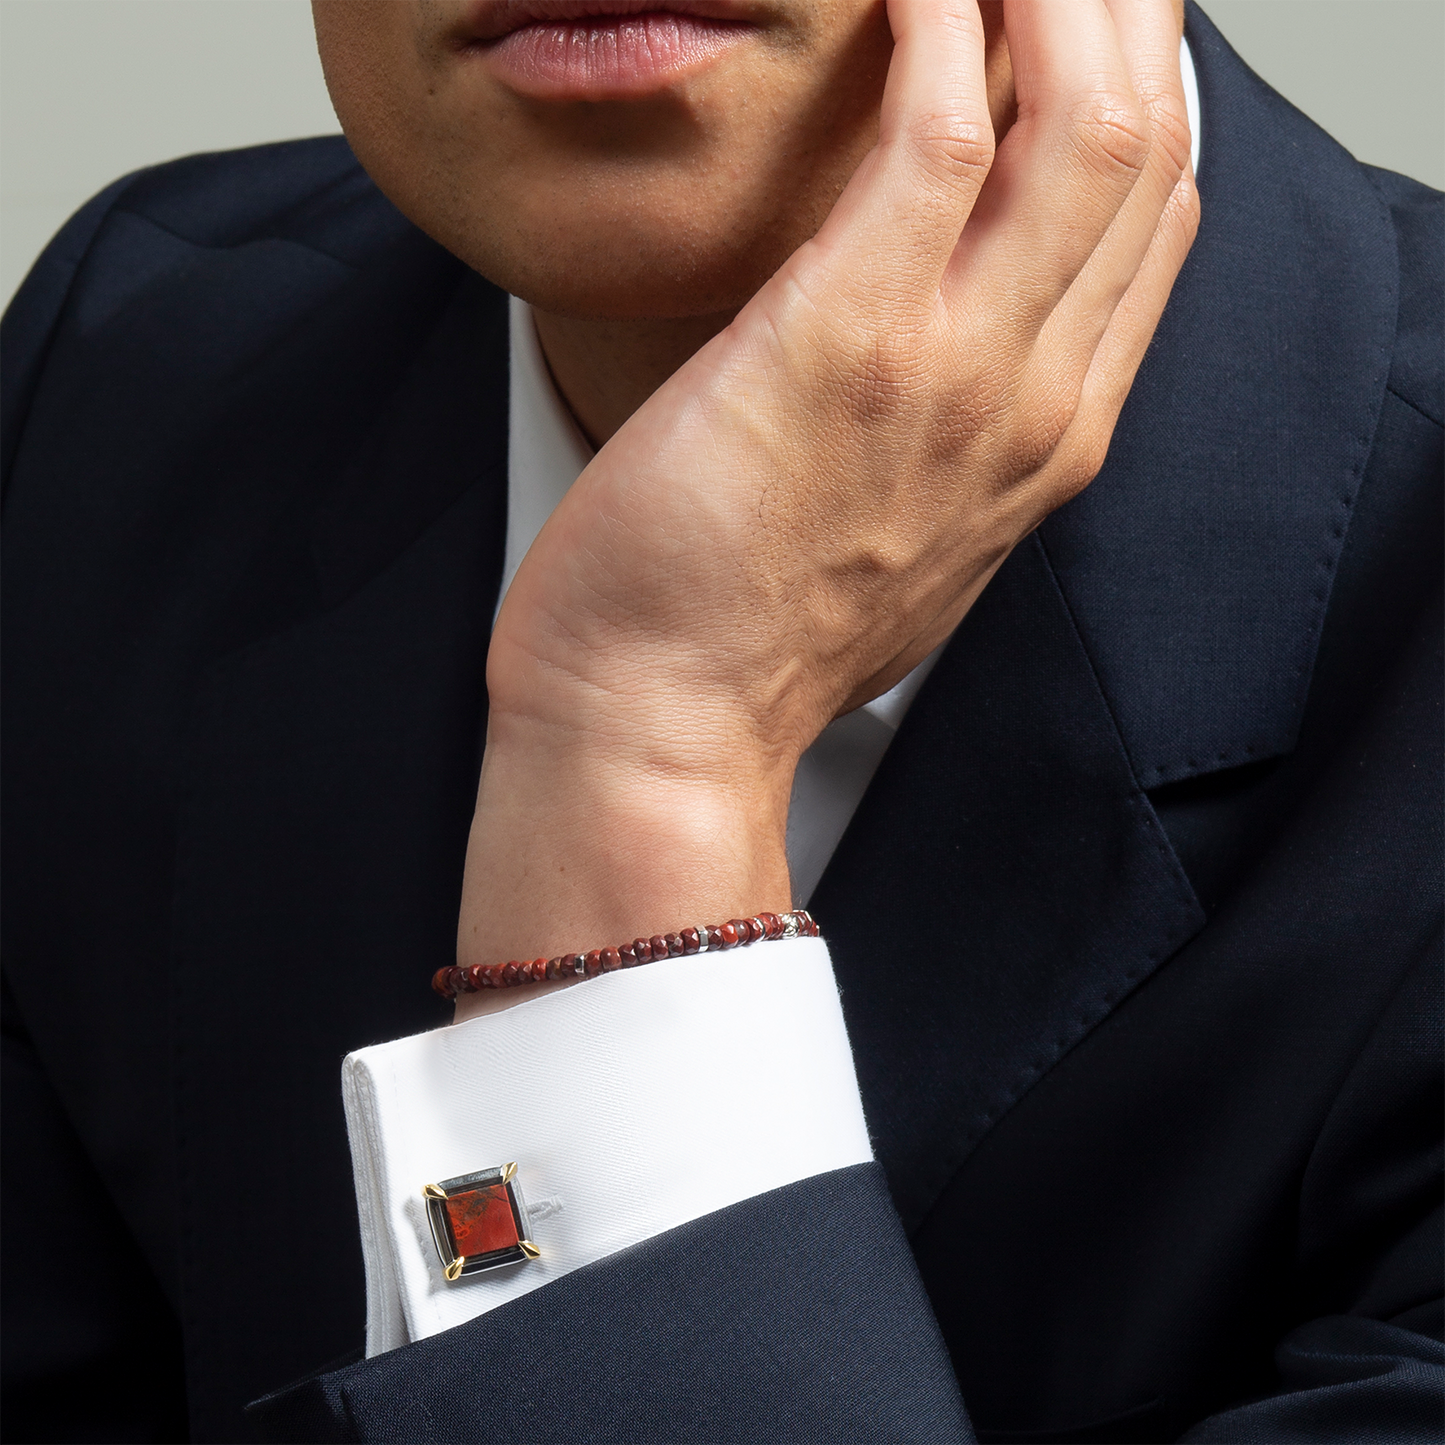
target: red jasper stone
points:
(642, 950)
(659, 945)
(611, 960)
(674, 945)
(594, 963)
(729, 935)
(482, 1220)
(690, 942)
(772, 925)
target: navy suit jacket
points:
(1152, 1071)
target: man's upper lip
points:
(492, 19)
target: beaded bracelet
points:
(705, 938)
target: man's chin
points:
(600, 276)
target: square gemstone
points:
(479, 1221)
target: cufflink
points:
(478, 1221)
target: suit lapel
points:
(1200, 563)
(1005, 883)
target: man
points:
(1136, 925)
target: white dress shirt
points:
(642, 1099)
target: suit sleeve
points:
(718, 1248)
(798, 1314)
(793, 1315)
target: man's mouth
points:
(601, 49)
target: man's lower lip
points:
(604, 58)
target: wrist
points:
(723, 708)
(581, 838)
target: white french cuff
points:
(631, 1104)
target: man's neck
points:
(605, 370)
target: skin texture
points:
(701, 192)
(783, 525)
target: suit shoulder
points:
(311, 192)
(1418, 212)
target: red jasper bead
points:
(705, 937)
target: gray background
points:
(90, 89)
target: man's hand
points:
(807, 508)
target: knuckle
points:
(1169, 133)
(1080, 459)
(952, 149)
(956, 421)
(1112, 135)
(1035, 444)
(1093, 452)
(1185, 202)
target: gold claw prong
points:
(433, 1191)
(509, 1172)
(530, 1249)
(454, 1269)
